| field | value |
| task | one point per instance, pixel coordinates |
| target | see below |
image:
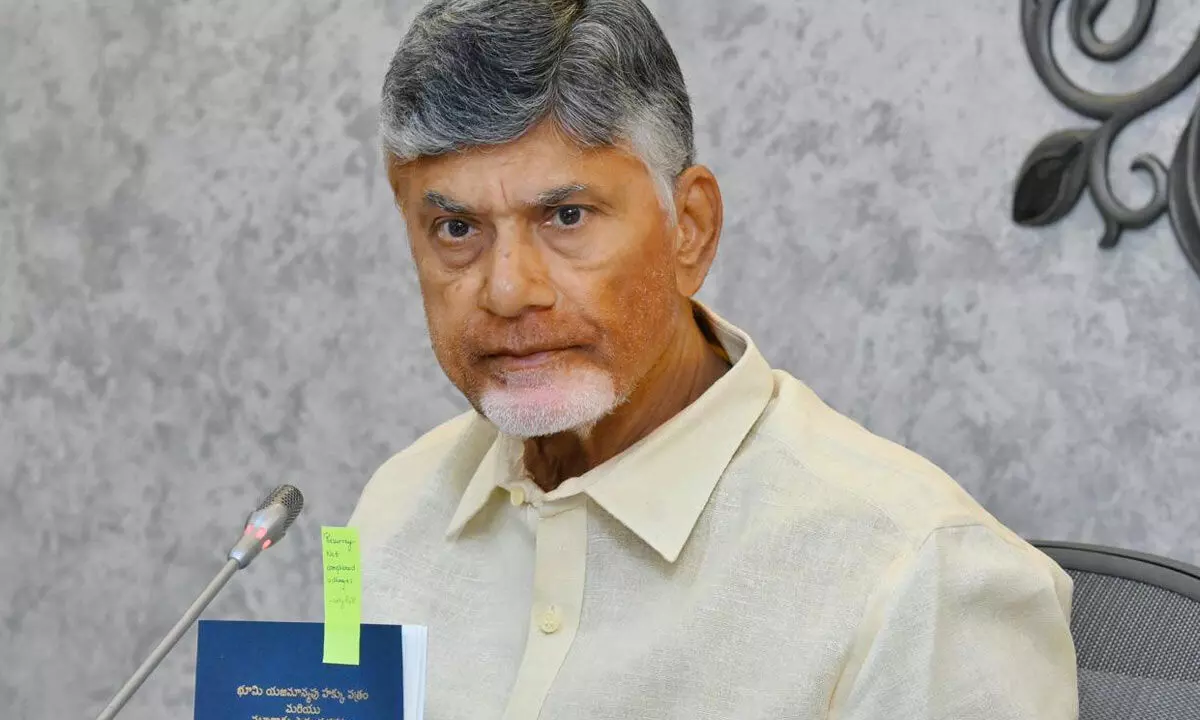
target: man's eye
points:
(568, 215)
(454, 229)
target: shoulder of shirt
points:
(871, 475)
(444, 458)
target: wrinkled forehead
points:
(514, 174)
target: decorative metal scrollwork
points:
(1058, 168)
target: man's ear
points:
(700, 214)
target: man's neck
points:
(689, 366)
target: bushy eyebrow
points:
(556, 195)
(438, 200)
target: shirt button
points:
(551, 621)
(516, 495)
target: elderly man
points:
(640, 518)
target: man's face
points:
(548, 273)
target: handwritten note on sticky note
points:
(343, 594)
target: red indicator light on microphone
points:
(266, 543)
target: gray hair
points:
(483, 72)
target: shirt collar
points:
(659, 486)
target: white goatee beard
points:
(540, 404)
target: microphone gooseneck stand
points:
(264, 527)
(169, 642)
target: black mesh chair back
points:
(1136, 625)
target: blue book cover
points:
(248, 670)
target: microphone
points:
(267, 524)
(264, 527)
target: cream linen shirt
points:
(758, 556)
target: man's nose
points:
(517, 278)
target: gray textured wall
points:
(204, 291)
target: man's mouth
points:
(524, 359)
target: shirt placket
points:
(558, 579)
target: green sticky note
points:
(343, 594)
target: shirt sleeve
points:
(969, 626)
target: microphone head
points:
(268, 523)
(288, 496)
